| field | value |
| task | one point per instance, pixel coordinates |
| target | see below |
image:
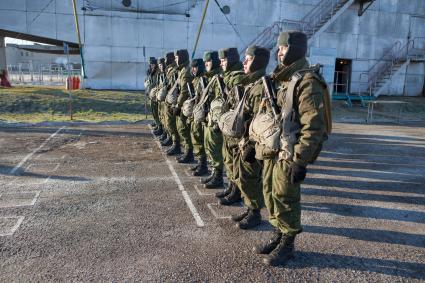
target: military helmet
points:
(231, 54)
(152, 60)
(161, 61)
(169, 58)
(198, 63)
(183, 57)
(261, 57)
(296, 41)
(212, 56)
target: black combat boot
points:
(282, 253)
(240, 216)
(226, 191)
(194, 167)
(216, 181)
(163, 136)
(167, 141)
(158, 132)
(202, 167)
(270, 245)
(174, 149)
(253, 219)
(232, 198)
(187, 157)
(153, 124)
(208, 178)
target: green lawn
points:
(38, 104)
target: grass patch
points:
(39, 104)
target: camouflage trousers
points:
(230, 150)
(197, 136)
(281, 198)
(155, 111)
(183, 128)
(213, 142)
(171, 125)
(248, 179)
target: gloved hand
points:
(248, 154)
(296, 173)
(176, 111)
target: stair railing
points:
(417, 50)
(309, 24)
(324, 10)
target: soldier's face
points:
(152, 66)
(282, 52)
(223, 64)
(194, 70)
(161, 67)
(208, 65)
(247, 63)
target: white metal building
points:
(379, 52)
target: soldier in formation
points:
(262, 130)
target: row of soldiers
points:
(261, 130)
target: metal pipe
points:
(77, 26)
(200, 27)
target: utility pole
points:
(77, 27)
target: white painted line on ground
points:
(201, 193)
(33, 201)
(15, 227)
(36, 157)
(56, 167)
(215, 213)
(25, 159)
(187, 199)
(47, 180)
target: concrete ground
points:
(102, 203)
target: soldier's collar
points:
(284, 73)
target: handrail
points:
(386, 63)
(309, 24)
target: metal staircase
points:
(323, 15)
(313, 23)
(392, 63)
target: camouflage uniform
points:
(170, 119)
(197, 129)
(233, 77)
(249, 172)
(183, 126)
(282, 198)
(213, 139)
(152, 77)
(304, 127)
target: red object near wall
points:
(4, 81)
(69, 83)
(77, 84)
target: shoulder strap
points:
(205, 93)
(289, 102)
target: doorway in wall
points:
(342, 77)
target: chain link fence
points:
(43, 74)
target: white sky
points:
(17, 41)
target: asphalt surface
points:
(101, 203)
